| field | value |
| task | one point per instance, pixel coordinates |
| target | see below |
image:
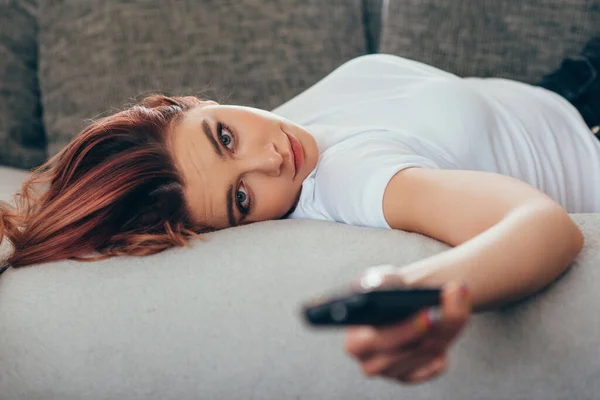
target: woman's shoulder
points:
(388, 64)
(362, 77)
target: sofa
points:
(220, 319)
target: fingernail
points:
(434, 315)
(427, 319)
(371, 280)
(373, 277)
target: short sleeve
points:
(351, 180)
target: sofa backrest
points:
(22, 137)
(521, 40)
(99, 55)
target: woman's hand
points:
(416, 349)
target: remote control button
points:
(356, 301)
(338, 312)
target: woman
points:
(490, 166)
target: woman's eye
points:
(225, 137)
(242, 199)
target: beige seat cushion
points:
(10, 181)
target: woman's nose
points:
(267, 161)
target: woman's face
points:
(241, 164)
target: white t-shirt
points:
(378, 114)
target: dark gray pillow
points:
(98, 54)
(22, 137)
(521, 40)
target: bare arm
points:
(511, 239)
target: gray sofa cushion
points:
(521, 40)
(22, 136)
(97, 55)
(220, 320)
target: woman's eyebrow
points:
(229, 194)
(211, 138)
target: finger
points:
(431, 345)
(408, 365)
(380, 363)
(456, 310)
(403, 361)
(364, 341)
(455, 314)
(359, 342)
(435, 368)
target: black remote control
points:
(375, 307)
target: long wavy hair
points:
(114, 190)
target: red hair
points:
(114, 190)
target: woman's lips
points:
(297, 152)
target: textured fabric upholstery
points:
(22, 136)
(98, 54)
(220, 320)
(521, 40)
